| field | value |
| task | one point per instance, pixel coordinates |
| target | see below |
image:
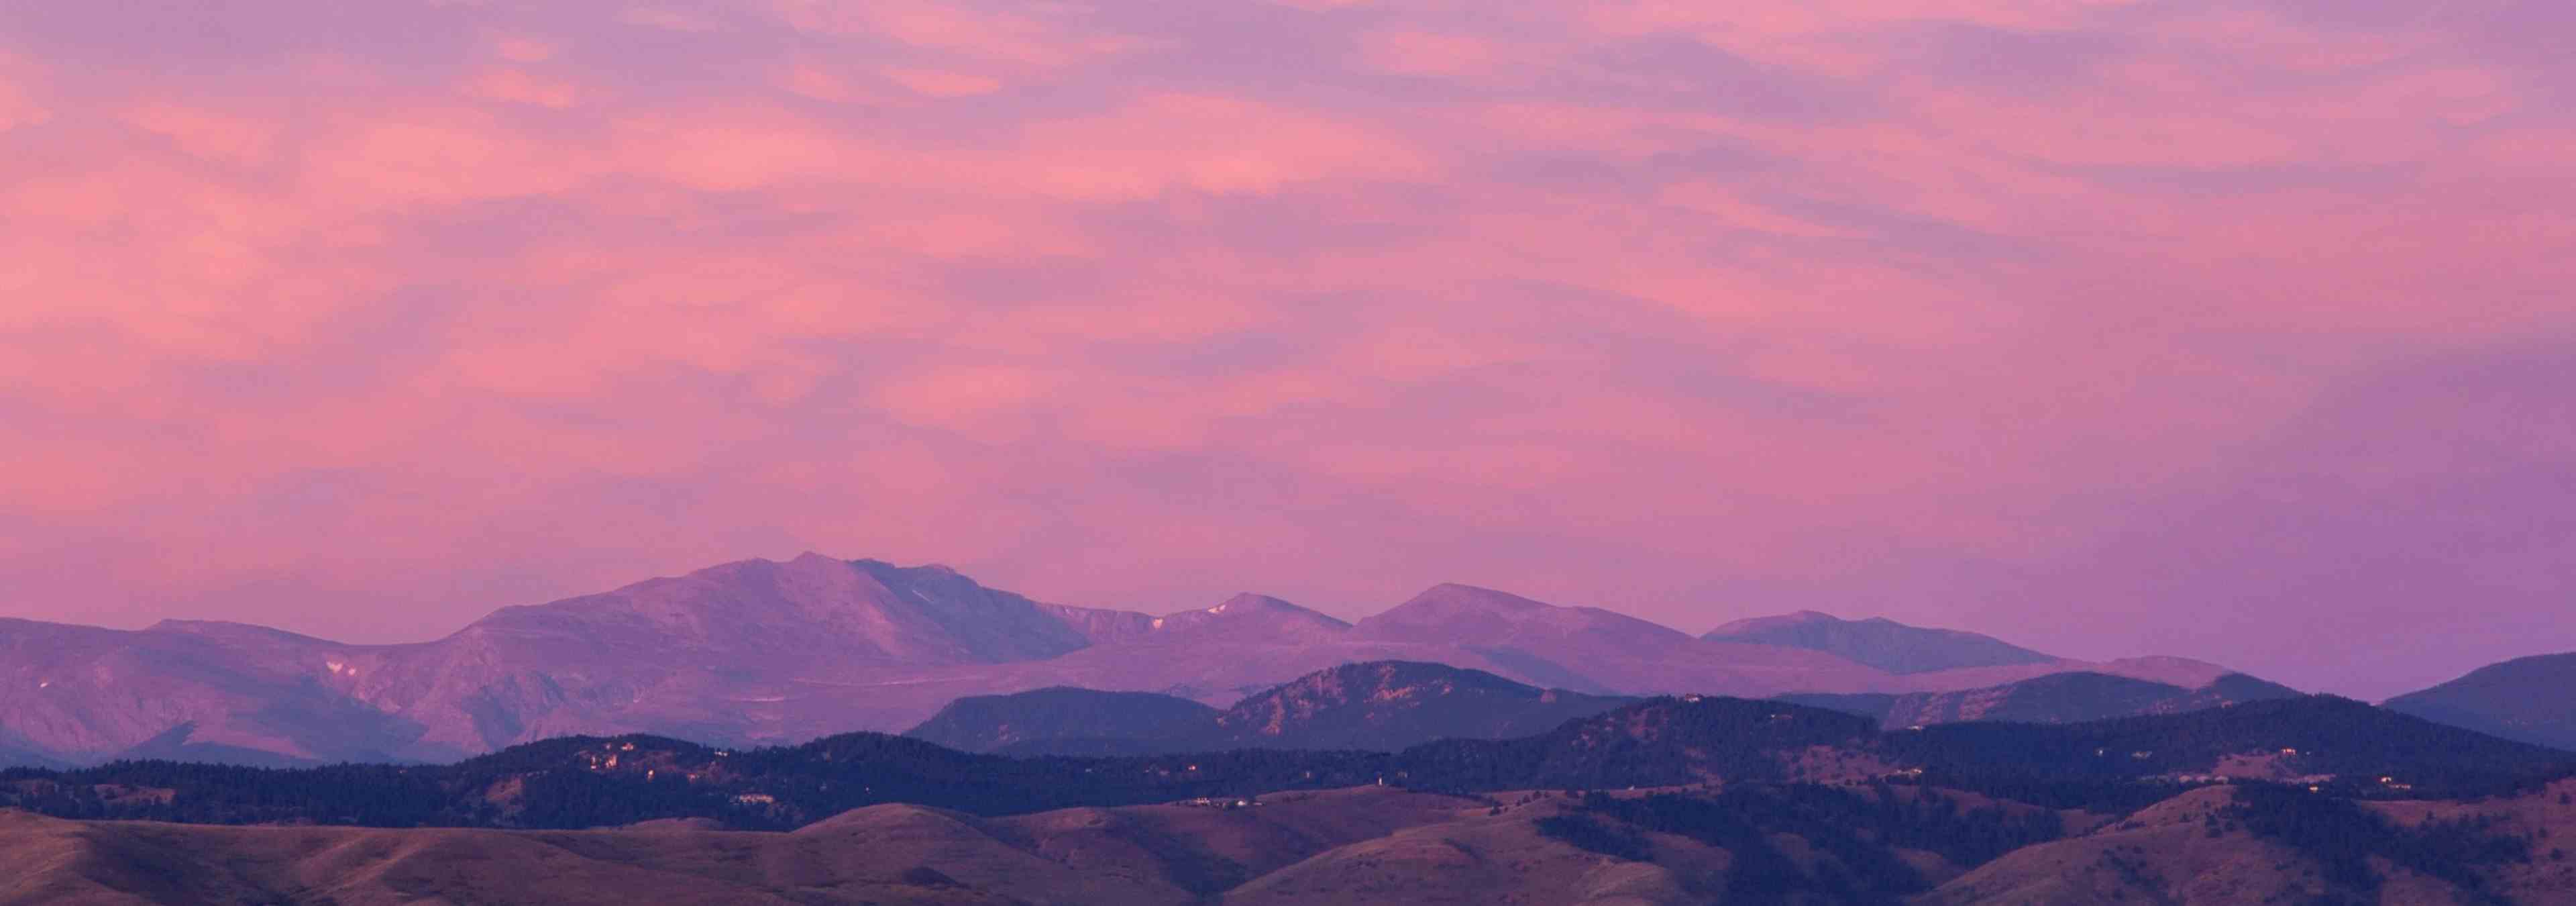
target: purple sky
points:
(2232, 330)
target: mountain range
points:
(764, 652)
(760, 652)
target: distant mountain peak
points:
(1249, 601)
(1879, 642)
(1590, 649)
(1759, 624)
(230, 629)
(810, 607)
(883, 569)
(1467, 614)
(1248, 617)
(1460, 595)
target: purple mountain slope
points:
(2532, 699)
(767, 652)
(1587, 649)
(1879, 642)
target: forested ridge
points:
(2108, 766)
(2343, 837)
(1857, 832)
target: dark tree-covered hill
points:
(2532, 699)
(1380, 706)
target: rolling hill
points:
(1393, 705)
(2525, 698)
(1023, 720)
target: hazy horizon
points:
(2234, 331)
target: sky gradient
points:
(2235, 330)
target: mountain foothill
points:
(1664, 800)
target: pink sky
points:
(2231, 330)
